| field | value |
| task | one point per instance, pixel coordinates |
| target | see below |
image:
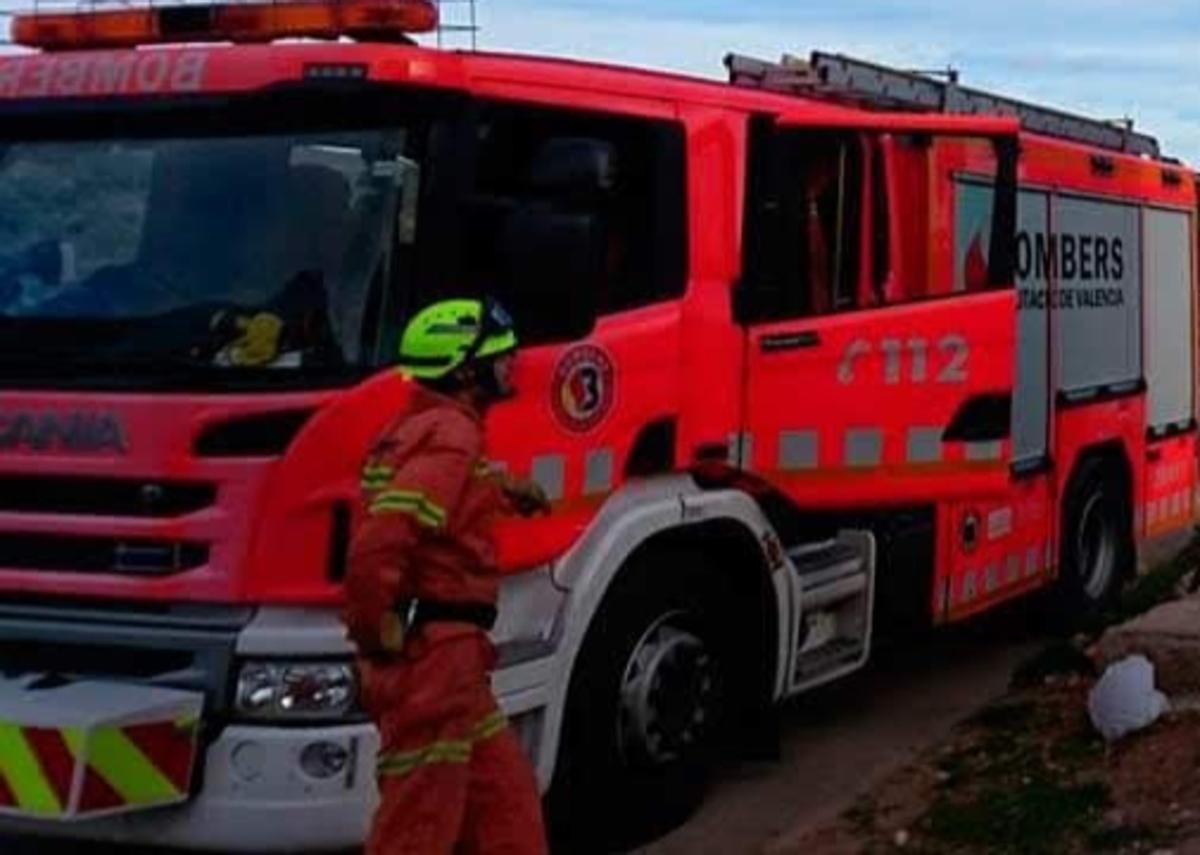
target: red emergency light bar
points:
(384, 20)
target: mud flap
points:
(80, 750)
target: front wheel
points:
(646, 707)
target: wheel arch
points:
(1113, 456)
(661, 516)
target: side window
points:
(917, 177)
(831, 184)
(838, 221)
(973, 227)
(808, 204)
(828, 184)
(619, 178)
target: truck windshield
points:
(215, 257)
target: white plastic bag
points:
(1125, 700)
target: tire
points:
(647, 707)
(1097, 552)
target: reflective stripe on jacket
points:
(427, 505)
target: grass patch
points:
(1034, 817)
(1083, 748)
(1004, 716)
(1021, 779)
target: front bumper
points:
(255, 798)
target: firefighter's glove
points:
(527, 497)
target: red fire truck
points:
(826, 345)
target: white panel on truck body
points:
(1093, 258)
(1168, 266)
(1031, 397)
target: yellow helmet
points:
(447, 335)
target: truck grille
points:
(103, 496)
(50, 552)
(92, 660)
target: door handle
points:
(795, 340)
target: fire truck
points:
(821, 347)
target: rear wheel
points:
(1097, 548)
(647, 707)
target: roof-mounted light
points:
(381, 20)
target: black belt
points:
(414, 613)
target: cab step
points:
(830, 657)
(829, 573)
(835, 586)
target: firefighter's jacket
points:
(428, 503)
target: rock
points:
(901, 839)
(1169, 636)
(1125, 699)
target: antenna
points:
(458, 24)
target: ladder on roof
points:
(866, 84)
(457, 22)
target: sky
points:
(1101, 58)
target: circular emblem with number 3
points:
(582, 391)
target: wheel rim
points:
(1096, 547)
(668, 693)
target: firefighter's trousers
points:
(452, 776)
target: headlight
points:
(296, 690)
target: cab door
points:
(880, 360)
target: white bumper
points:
(255, 797)
(252, 793)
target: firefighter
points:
(421, 594)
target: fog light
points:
(323, 759)
(248, 759)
